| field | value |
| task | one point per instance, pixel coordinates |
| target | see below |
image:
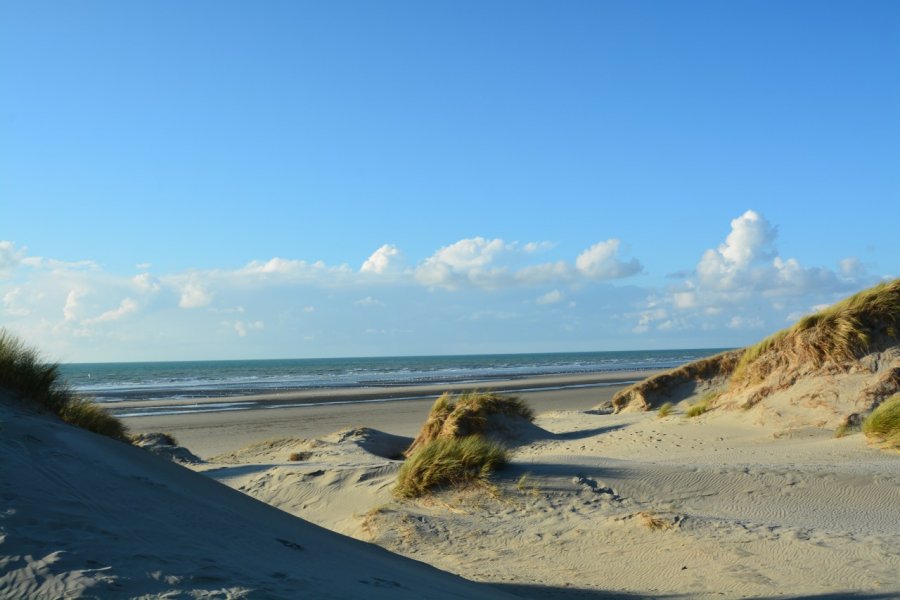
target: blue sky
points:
(289, 179)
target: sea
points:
(154, 381)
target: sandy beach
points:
(593, 505)
(314, 414)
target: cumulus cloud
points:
(387, 259)
(495, 263)
(748, 262)
(195, 295)
(601, 262)
(466, 261)
(745, 277)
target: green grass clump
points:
(703, 405)
(883, 425)
(449, 461)
(665, 410)
(91, 416)
(36, 382)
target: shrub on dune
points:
(883, 425)
(449, 461)
(36, 382)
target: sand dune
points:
(86, 516)
(629, 504)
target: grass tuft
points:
(703, 405)
(468, 414)
(665, 410)
(883, 425)
(38, 383)
(449, 462)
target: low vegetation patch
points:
(883, 425)
(299, 456)
(468, 414)
(865, 322)
(703, 405)
(665, 410)
(449, 462)
(645, 392)
(38, 383)
(454, 446)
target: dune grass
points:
(38, 383)
(703, 405)
(646, 391)
(883, 425)
(449, 462)
(467, 414)
(840, 333)
(665, 410)
(453, 448)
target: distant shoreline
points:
(360, 395)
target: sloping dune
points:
(86, 516)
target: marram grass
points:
(467, 414)
(449, 462)
(36, 382)
(883, 425)
(840, 333)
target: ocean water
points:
(112, 382)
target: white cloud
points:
(70, 309)
(14, 304)
(494, 264)
(146, 282)
(551, 297)
(309, 309)
(466, 261)
(194, 295)
(126, 307)
(387, 259)
(600, 262)
(143, 266)
(10, 258)
(242, 327)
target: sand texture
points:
(624, 504)
(85, 516)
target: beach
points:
(317, 413)
(629, 504)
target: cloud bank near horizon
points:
(473, 295)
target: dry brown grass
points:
(840, 334)
(657, 522)
(467, 414)
(719, 365)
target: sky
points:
(234, 180)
